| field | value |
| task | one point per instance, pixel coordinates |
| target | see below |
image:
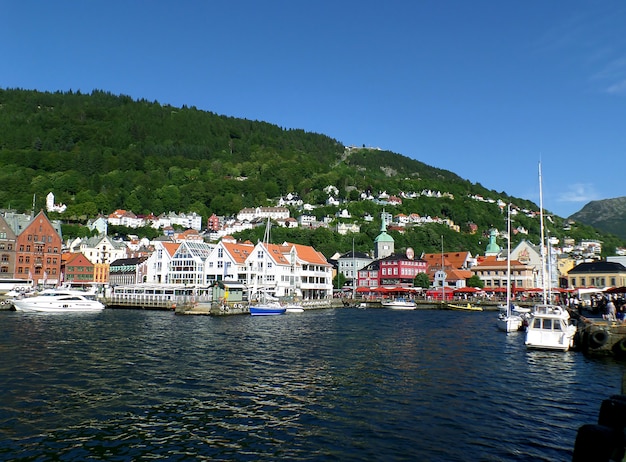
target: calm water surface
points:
(345, 384)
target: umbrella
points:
(466, 290)
(616, 290)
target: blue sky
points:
(486, 89)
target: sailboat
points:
(549, 327)
(507, 321)
(266, 304)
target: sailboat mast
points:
(543, 250)
(354, 273)
(508, 260)
(443, 279)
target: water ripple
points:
(327, 385)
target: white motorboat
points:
(399, 303)
(59, 301)
(549, 328)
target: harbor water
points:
(336, 384)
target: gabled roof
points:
(451, 259)
(170, 247)
(239, 252)
(304, 253)
(198, 249)
(492, 261)
(76, 258)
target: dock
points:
(600, 337)
(229, 309)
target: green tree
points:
(421, 280)
(475, 281)
(339, 280)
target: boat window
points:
(537, 323)
(547, 324)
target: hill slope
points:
(608, 215)
(99, 152)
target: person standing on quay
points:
(610, 311)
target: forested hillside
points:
(100, 152)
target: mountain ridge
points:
(607, 215)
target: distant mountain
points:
(608, 215)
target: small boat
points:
(549, 328)
(267, 309)
(267, 304)
(399, 303)
(507, 320)
(468, 307)
(293, 308)
(59, 301)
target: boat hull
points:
(510, 323)
(468, 307)
(399, 305)
(24, 305)
(267, 311)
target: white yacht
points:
(549, 328)
(59, 301)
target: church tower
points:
(383, 244)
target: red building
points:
(394, 270)
(78, 270)
(38, 254)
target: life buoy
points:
(598, 338)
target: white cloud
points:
(579, 192)
(618, 88)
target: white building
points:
(250, 214)
(282, 270)
(100, 249)
(158, 264)
(188, 263)
(51, 206)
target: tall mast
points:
(508, 260)
(543, 250)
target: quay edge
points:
(599, 337)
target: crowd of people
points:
(612, 307)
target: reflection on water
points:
(343, 384)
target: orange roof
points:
(171, 247)
(305, 253)
(451, 259)
(239, 252)
(492, 262)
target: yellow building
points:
(597, 274)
